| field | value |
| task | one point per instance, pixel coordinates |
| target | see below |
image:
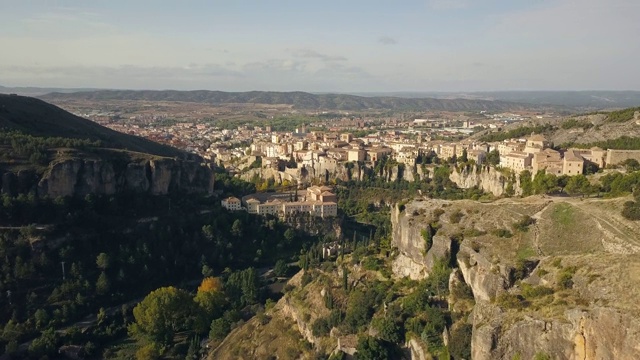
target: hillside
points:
(37, 118)
(46, 151)
(593, 128)
(507, 290)
(299, 100)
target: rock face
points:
(596, 333)
(327, 169)
(485, 279)
(79, 177)
(599, 326)
(486, 178)
(413, 261)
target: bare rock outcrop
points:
(486, 178)
(595, 333)
(79, 177)
(413, 260)
(486, 280)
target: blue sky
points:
(346, 46)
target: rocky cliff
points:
(80, 175)
(486, 178)
(415, 259)
(329, 169)
(523, 309)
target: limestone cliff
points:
(414, 260)
(486, 178)
(330, 169)
(79, 176)
(593, 316)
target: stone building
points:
(232, 203)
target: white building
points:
(232, 204)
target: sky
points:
(322, 46)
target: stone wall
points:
(615, 157)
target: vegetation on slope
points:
(622, 115)
(114, 250)
(520, 132)
(37, 118)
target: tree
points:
(103, 261)
(525, 183)
(465, 157)
(388, 329)
(289, 235)
(281, 268)
(236, 228)
(210, 284)
(211, 300)
(578, 184)
(42, 318)
(370, 348)
(493, 157)
(161, 314)
(103, 284)
(43, 345)
(219, 329)
(631, 165)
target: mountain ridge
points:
(297, 99)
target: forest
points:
(65, 259)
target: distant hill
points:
(35, 91)
(584, 100)
(38, 118)
(299, 100)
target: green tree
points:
(370, 348)
(236, 228)
(465, 156)
(44, 345)
(219, 329)
(281, 268)
(493, 157)
(161, 314)
(578, 184)
(289, 235)
(525, 183)
(103, 285)
(103, 261)
(42, 318)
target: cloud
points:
(312, 54)
(386, 40)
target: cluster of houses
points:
(316, 200)
(536, 153)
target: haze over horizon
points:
(331, 46)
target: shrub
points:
(523, 224)
(503, 233)
(565, 277)
(427, 236)
(473, 232)
(511, 301)
(438, 212)
(456, 216)
(461, 290)
(305, 279)
(320, 327)
(460, 341)
(531, 292)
